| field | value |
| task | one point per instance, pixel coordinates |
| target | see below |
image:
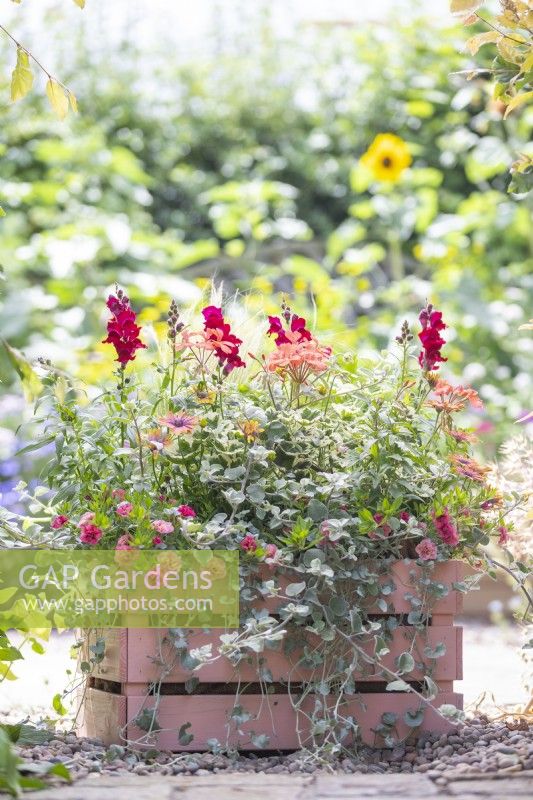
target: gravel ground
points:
(480, 746)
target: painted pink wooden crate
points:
(119, 684)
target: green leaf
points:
(518, 100)
(21, 77)
(406, 662)
(58, 98)
(31, 382)
(58, 706)
(185, 738)
(294, 589)
(414, 718)
(397, 686)
(9, 774)
(147, 720)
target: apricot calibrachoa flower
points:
(387, 157)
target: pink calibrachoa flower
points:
(59, 521)
(122, 329)
(427, 550)
(157, 540)
(162, 526)
(124, 542)
(124, 509)
(270, 551)
(504, 536)
(405, 516)
(86, 518)
(179, 423)
(186, 511)
(118, 494)
(445, 528)
(249, 544)
(90, 534)
(432, 341)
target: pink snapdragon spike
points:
(162, 526)
(445, 528)
(122, 329)
(186, 511)
(59, 522)
(426, 550)
(249, 544)
(90, 534)
(430, 338)
(124, 509)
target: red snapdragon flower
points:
(122, 329)
(430, 337)
(225, 343)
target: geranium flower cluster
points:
(297, 354)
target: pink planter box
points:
(117, 689)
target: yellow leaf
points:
(462, 8)
(478, 41)
(73, 102)
(21, 77)
(509, 51)
(58, 98)
(80, 3)
(518, 100)
(527, 66)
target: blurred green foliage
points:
(245, 169)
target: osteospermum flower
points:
(179, 423)
(461, 435)
(157, 440)
(122, 329)
(387, 157)
(251, 429)
(469, 467)
(432, 341)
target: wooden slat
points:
(274, 716)
(143, 643)
(103, 716)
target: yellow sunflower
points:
(387, 157)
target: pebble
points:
(478, 746)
